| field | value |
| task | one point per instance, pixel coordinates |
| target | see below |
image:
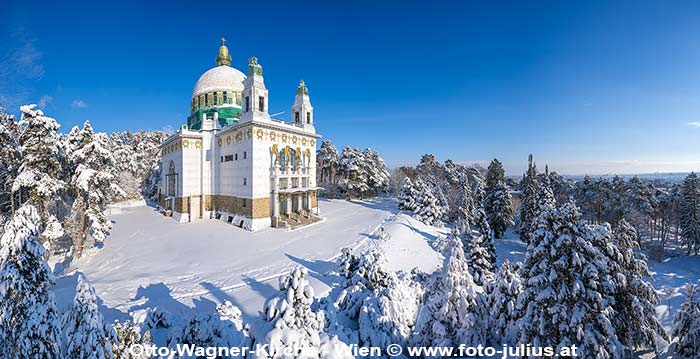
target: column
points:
(299, 202)
(288, 198)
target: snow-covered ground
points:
(152, 261)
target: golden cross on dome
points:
(223, 41)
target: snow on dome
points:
(219, 78)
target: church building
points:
(233, 161)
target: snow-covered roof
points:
(219, 78)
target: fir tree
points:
(690, 212)
(92, 182)
(499, 209)
(635, 299)
(528, 206)
(128, 335)
(501, 305)
(327, 162)
(466, 206)
(566, 298)
(86, 334)
(40, 170)
(407, 197)
(29, 324)
(10, 159)
(686, 324)
(289, 320)
(428, 209)
(482, 227)
(480, 257)
(448, 316)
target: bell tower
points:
(302, 111)
(255, 95)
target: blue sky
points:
(586, 86)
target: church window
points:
(308, 117)
(236, 156)
(245, 154)
(244, 203)
(261, 104)
(222, 158)
(296, 117)
(247, 104)
(225, 96)
(228, 158)
(206, 100)
(245, 181)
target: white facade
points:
(250, 170)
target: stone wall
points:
(254, 208)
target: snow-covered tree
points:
(690, 212)
(29, 322)
(327, 162)
(528, 206)
(128, 335)
(448, 315)
(289, 320)
(567, 297)
(407, 197)
(498, 208)
(501, 306)
(93, 186)
(40, 170)
(87, 336)
(10, 159)
(482, 227)
(480, 256)
(466, 206)
(388, 315)
(428, 209)
(686, 324)
(635, 299)
(210, 330)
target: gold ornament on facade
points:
(272, 135)
(308, 153)
(294, 140)
(220, 142)
(197, 144)
(274, 151)
(313, 142)
(284, 138)
(303, 141)
(259, 133)
(286, 152)
(228, 140)
(185, 144)
(239, 136)
(249, 133)
(297, 152)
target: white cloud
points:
(20, 68)
(45, 101)
(694, 124)
(78, 104)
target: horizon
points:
(612, 89)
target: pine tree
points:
(353, 172)
(29, 324)
(327, 162)
(499, 209)
(466, 206)
(289, 320)
(428, 210)
(566, 298)
(10, 159)
(529, 201)
(686, 324)
(690, 212)
(479, 256)
(635, 299)
(128, 335)
(448, 315)
(501, 304)
(407, 197)
(40, 170)
(92, 182)
(87, 336)
(482, 227)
